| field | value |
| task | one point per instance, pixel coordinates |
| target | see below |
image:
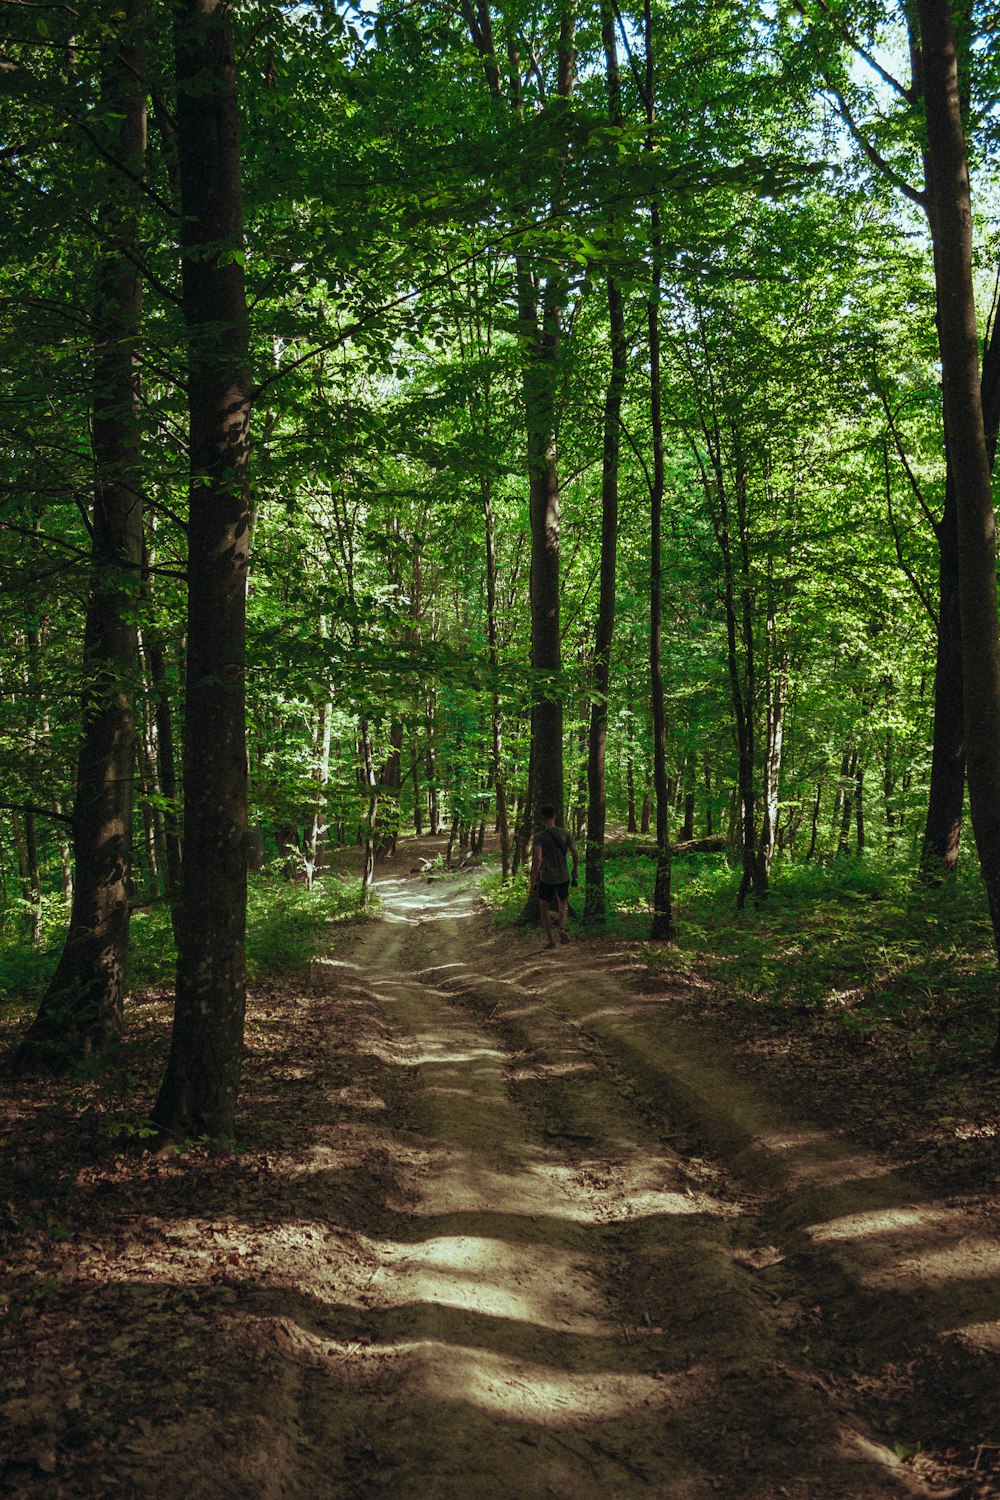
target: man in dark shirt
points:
(550, 872)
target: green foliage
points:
(287, 922)
(286, 927)
(860, 941)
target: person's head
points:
(547, 812)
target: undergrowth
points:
(285, 925)
(859, 942)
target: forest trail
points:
(568, 1304)
(518, 1233)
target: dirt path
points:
(518, 1236)
(568, 1305)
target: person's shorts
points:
(550, 894)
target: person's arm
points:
(536, 864)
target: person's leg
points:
(563, 911)
(543, 907)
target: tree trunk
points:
(198, 1094)
(153, 650)
(946, 794)
(83, 1005)
(631, 825)
(849, 774)
(370, 781)
(663, 918)
(496, 718)
(418, 811)
(597, 793)
(777, 689)
(541, 297)
(951, 224)
(316, 840)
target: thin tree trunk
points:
(370, 781)
(316, 840)
(496, 718)
(946, 793)
(153, 650)
(850, 769)
(418, 811)
(631, 825)
(198, 1094)
(777, 689)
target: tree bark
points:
(597, 792)
(82, 1009)
(663, 917)
(964, 426)
(541, 297)
(166, 761)
(198, 1094)
(496, 718)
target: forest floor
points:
(503, 1222)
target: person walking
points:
(550, 871)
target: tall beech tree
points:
(663, 916)
(542, 294)
(958, 336)
(198, 1094)
(82, 1007)
(597, 794)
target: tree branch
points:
(39, 812)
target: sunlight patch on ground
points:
(861, 1446)
(589, 1192)
(183, 1253)
(541, 1071)
(884, 1221)
(402, 902)
(432, 1049)
(975, 1258)
(535, 1284)
(981, 1336)
(528, 1392)
(822, 1163)
(290, 1336)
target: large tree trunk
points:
(951, 224)
(597, 794)
(82, 1007)
(198, 1095)
(946, 793)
